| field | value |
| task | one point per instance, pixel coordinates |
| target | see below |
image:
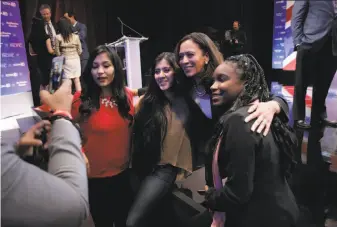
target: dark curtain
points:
(83, 10)
(165, 24)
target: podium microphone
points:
(123, 24)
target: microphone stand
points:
(122, 26)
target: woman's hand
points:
(264, 112)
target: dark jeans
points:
(153, 202)
(110, 199)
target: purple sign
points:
(14, 67)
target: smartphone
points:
(201, 192)
(56, 74)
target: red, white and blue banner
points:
(284, 56)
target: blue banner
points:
(279, 34)
(14, 67)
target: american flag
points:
(289, 63)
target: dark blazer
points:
(311, 22)
(255, 194)
(81, 30)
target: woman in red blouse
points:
(105, 112)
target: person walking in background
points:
(81, 30)
(68, 44)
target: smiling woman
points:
(227, 86)
(257, 168)
(105, 113)
(164, 75)
(103, 72)
(162, 151)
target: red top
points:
(108, 137)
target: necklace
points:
(107, 102)
(199, 90)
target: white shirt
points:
(52, 28)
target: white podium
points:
(129, 51)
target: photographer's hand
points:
(61, 100)
(26, 143)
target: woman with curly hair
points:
(256, 168)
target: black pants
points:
(317, 67)
(83, 64)
(34, 78)
(45, 63)
(153, 202)
(110, 199)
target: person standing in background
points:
(237, 38)
(45, 12)
(42, 43)
(68, 45)
(81, 30)
(312, 25)
(312, 34)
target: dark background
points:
(165, 22)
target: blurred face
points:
(191, 58)
(46, 14)
(103, 71)
(71, 19)
(236, 25)
(164, 75)
(227, 84)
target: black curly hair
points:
(256, 88)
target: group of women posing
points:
(199, 109)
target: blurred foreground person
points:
(59, 197)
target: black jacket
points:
(255, 194)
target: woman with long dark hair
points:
(68, 45)
(105, 113)
(198, 57)
(162, 151)
(256, 167)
